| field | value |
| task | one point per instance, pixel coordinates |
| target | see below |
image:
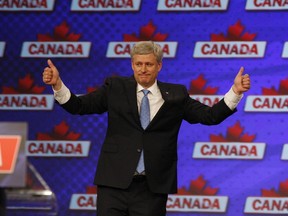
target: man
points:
(124, 189)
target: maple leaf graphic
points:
(235, 33)
(147, 33)
(61, 33)
(26, 85)
(282, 192)
(198, 86)
(283, 89)
(198, 187)
(60, 132)
(234, 134)
(91, 189)
(92, 89)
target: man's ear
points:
(159, 66)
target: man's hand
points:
(241, 82)
(51, 76)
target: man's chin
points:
(144, 83)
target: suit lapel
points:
(165, 91)
(166, 95)
(132, 98)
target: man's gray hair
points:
(147, 47)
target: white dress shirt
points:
(154, 96)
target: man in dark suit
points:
(124, 188)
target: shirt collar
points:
(153, 89)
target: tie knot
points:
(145, 92)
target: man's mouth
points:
(144, 75)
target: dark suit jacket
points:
(125, 137)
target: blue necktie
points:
(145, 120)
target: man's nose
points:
(143, 68)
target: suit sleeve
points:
(91, 103)
(197, 112)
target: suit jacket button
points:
(139, 150)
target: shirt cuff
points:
(62, 95)
(231, 99)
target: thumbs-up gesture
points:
(241, 82)
(51, 76)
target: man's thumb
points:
(240, 71)
(50, 63)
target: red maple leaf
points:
(235, 33)
(269, 193)
(198, 187)
(60, 132)
(217, 138)
(234, 134)
(147, 33)
(26, 85)
(198, 86)
(61, 33)
(283, 188)
(282, 192)
(283, 89)
(91, 89)
(269, 91)
(91, 189)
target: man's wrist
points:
(236, 91)
(62, 95)
(58, 85)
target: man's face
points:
(146, 69)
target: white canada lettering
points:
(192, 203)
(105, 3)
(270, 3)
(55, 148)
(229, 49)
(20, 101)
(270, 103)
(192, 3)
(270, 205)
(23, 3)
(55, 49)
(237, 150)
